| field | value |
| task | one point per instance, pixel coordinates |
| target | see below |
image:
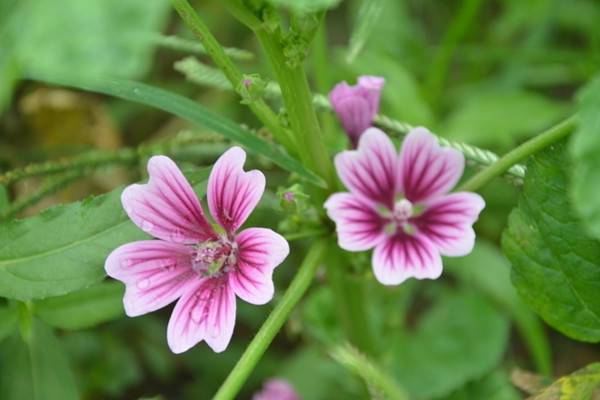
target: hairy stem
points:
(273, 324)
(50, 187)
(520, 153)
(233, 74)
(298, 101)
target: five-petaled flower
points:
(356, 106)
(203, 267)
(399, 205)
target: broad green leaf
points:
(460, 339)
(96, 36)
(581, 384)
(366, 19)
(63, 249)
(585, 147)
(501, 118)
(486, 269)
(37, 370)
(8, 321)
(182, 107)
(555, 266)
(84, 308)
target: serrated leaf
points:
(37, 370)
(581, 384)
(585, 148)
(181, 107)
(63, 249)
(556, 267)
(84, 308)
(460, 339)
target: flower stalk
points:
(274, 322)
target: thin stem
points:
(273, 324)
(371, 373)
(233, 74)
(50, 187)
(94, 158)
(520, 153)
(298, 101)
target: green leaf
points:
(581, 384)
(96, 36)
(366, 19)
(487, 270)
(63, 249)
(501, 118)
(556, 267)
(37, 370)
(8, 320)
(460, 339)
(585, 147)
(182, 107)
(83, 309)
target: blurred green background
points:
(490, 73)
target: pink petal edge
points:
(233, 193)
(166, 207)
(260, 251)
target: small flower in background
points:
(398, 205)
(202, 267)
(357, 105)
(276, 389)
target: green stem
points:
(520, 153)
(273, 324)
(94, 158)
(52, 186)
(233, 74)
(349, 297)
(371, 373)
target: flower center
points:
(399, 217)
(213, 257)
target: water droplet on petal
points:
(126, 262)
(197, 315)
(143, 284)
(177, 236)
(146, 225)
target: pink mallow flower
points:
(276, 389)
(356, 106)
(399, 205)
(203, 267)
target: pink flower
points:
(399, 205)
(204, 268)
(356, 106)
(276, 389)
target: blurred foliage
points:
(508, 70)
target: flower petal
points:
(233, 193)
(260, 250)
(155, 273)
(428, 170)
(404, 256)
(358, 225)
(166, 207)
(204, 312)
(370, 171)
(448, 221)
(372, 86)
(355, 116)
